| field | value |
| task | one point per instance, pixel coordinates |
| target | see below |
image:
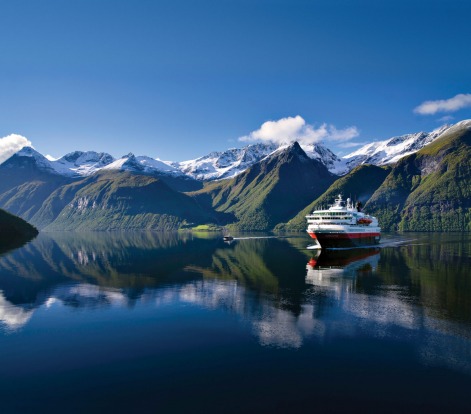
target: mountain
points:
(84, 164)
(26, 181)
(79, 163)
(173, 177)
(429, 190)
(128, 194)
(141, 164)
(389, 151)
(123, 200)
(359, 184)
(324, 155)
(269, 192)
(14, 231)
(226, 164)
(230, 163)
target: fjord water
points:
(152, 322)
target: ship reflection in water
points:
(338, 269)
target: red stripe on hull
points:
(346, 239)
(343, 235)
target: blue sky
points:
(180, 78)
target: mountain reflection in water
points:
(416, 294)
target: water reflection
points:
(418, 293)
(12, 316)
(339, 268)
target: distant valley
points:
(415, 182)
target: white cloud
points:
(460, 101)
(342, 134)
(351, 144)
(291, 129)
(446, 118)
(12, 144)
(14, 317)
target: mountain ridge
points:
(229, 163)
(257, 197)
(122, 200)
(393, 149)
(424, 191)
(429, 190)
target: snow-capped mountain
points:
(83, 164)
(79, 163)
(227, 164)
(214, 166)
(31, 154)
(389, 151)
(142, 164)
(230, 163)
(323, 154)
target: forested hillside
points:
(359, 185)
(269, 192)
(429, 190)
(14, 231)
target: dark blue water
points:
(143, 322)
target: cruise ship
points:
(343, 225)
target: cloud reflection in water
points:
(285, 302)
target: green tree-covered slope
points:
(426, 191)
(121, 201)
(14, 231)
(359, 184)
(24, 187)
(269, 192)
(431, 189)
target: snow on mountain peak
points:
(391, 150)
(157, 165)
(32, 153)
(225, 164)
(142, 163)
(28, 152)
(125, 163)
(323, 154)
(229, 163)
(465, 124)
(40, 160)
(80, 163)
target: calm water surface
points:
(146, 322)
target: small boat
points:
(343, 225)
(228, 238)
